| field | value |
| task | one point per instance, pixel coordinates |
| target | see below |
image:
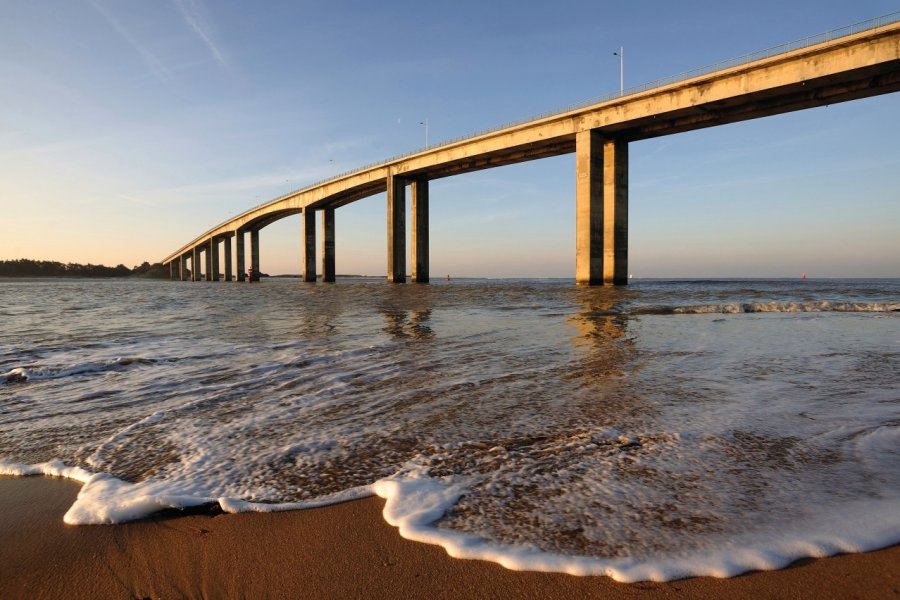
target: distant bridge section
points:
(857, 62)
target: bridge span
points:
(855, 62)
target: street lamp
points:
(425, 123)
(621, 55)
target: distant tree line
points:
(24, 267)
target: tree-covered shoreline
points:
(24, 267)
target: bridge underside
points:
(812, 93)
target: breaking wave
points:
(36, 373)
(770, 307)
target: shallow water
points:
(653, 431)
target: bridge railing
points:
(811, 40)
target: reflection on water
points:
(602, 333)
(412, 323)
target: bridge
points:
(854, 62)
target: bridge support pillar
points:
(207, 257)
(254, 253)
(195, 264)
(172, 269)
(212, 260)
(182, 267)
(226, 243)
(419, 215)
(239, 253)
(328, 274)
(396, 233)
(601, 212)
(308, 236)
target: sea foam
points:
(415, 502)
(538, 425)
(108, 500)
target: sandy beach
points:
(342, 551)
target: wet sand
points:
(342, 551)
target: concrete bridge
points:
(855, 62)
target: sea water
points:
(654, 431)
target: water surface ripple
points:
(654, 431)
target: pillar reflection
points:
(606, 358)
(403, 324)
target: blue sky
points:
(129, 127)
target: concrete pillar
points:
(588, 208)
(396, 234)
(601, 210)
(254, 253)
(182, 267)
(226, 242)
(239, 252)
(172, 269)
(195, 264)
(328, 273)
(615, 212)
(207, 257)
(419, 214)
(212, 262)
(308, 244)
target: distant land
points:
(24, 267)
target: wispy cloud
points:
(194, 14)
(153, 63)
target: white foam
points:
(105, 500)
(34, 373)
(532, 448)
(16, 375)
(780, 307)
(415, 502)
(53, 468)
(234, 505)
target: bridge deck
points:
(855, 66)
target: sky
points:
(128, 128)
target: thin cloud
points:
(149, 58)
(193, 13)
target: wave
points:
(29, 373)
(105, 499)
(770, 307)
(416, 501)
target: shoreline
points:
(345, 550)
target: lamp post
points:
(621, 55)
(425, 123)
